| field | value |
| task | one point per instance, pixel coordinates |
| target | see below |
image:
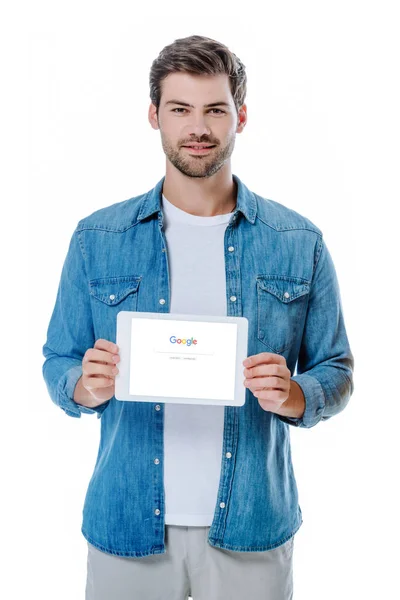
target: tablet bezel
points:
(123, 341)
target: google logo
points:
(175, 340)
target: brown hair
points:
(198, 55)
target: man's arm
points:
(70, 334)
(325, 364)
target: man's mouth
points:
(199, 148)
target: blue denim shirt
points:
(283, 280)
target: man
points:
(196, 499)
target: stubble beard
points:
(204, 165)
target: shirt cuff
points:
(66, 388)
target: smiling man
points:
(198, 139)
(194, 499)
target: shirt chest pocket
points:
(113, 294)
(281, 305)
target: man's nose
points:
(198, 126)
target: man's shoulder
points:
(281, 217)
(118, 216)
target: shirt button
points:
(162, 301)
(157, 511)
(222, 505)
(156, 461)
(287, 295)
(112, 297)
(231, 248)
(228, 455)
(233, 298)
(157, 407)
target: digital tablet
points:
(186, 359)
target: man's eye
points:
(218, 109)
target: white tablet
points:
(186, 359)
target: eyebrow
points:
(191, 105)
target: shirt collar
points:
(245, 203)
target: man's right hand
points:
(97, 383)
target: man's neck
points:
(204, 197)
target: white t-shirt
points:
(193, 434)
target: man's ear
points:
(242, 118)
(153, 119)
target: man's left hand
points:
(268, 378)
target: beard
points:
(204, 165)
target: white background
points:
(322, 138)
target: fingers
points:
(99, 364)
(259, 383)
(267, 370)
(100, 356)
(106, 345)
(102, 352)
(264, 358)
(94, 383)
(93, 368)
(267, 377)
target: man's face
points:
(184, 118)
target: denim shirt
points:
(280, 275)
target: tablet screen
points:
(187, 359)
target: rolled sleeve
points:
(66, 391)
(69, 334)
(325, 363)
